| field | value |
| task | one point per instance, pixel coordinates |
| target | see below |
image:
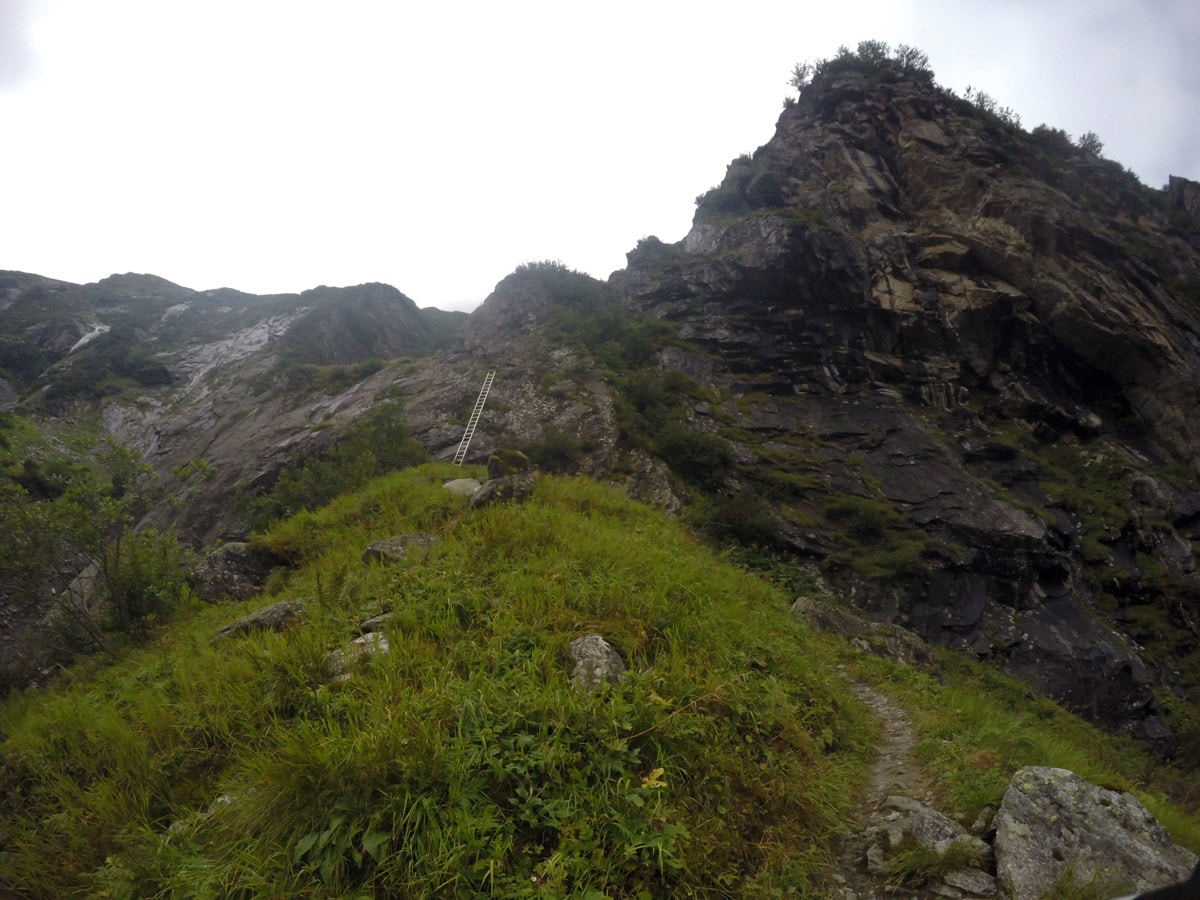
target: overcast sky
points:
(276, 145)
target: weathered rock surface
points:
(398, 547)
(503, 463)
(340, 664)
(463, 487)
(509, 489)
(596, 662)
(877, 638)
(376, 623)
(275, 617)
(231, 572)
(903, 823)
(904, 307)
(1051, 820)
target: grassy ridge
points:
(463, 761)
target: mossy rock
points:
(507, 462)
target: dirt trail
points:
(894, 772)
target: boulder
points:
(596, 662)
(510, 489)
(376, 623)
(340, 663)
(1053, 826)
(275, 617)
(463, 487)
(876, 638)
(231, 572)
(507, 462)
(396, 548)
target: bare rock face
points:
(231, 572)
(275, 617)
(394, 549)
(596, 662)
(904, 309)
(1054, 825)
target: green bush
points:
(698, 457)
(556, 451)
(741, 516)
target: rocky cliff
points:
(993, 333)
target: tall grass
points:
(463, 761)
(979, 726)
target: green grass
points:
(980, 726)
(463, 762)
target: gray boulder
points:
(903, 823)
(463, 487)
(376, 623)
(1053, 825)
(339, 664)
(275, 617)
(395, 548)
(231, 572)
(596, 662)
(510, 489)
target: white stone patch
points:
(96, 331)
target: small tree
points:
(873, 52)
(912, 60)
(802, 74)
(1091, 144)
(105, 574)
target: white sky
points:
(276, 145)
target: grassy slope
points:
(463, 761)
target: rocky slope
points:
(961, 320)
(952, 363)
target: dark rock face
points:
(231, 572)
(910, 305)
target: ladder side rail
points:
(473, 421)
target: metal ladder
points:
(461, 454)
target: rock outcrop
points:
(914, 307)
(596, 663)
(1053, 827)
(231, 572)
(398, 547)
(275, 617)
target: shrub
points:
(378, 442)
(741, 516)
(556, 451)
(697, 457)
